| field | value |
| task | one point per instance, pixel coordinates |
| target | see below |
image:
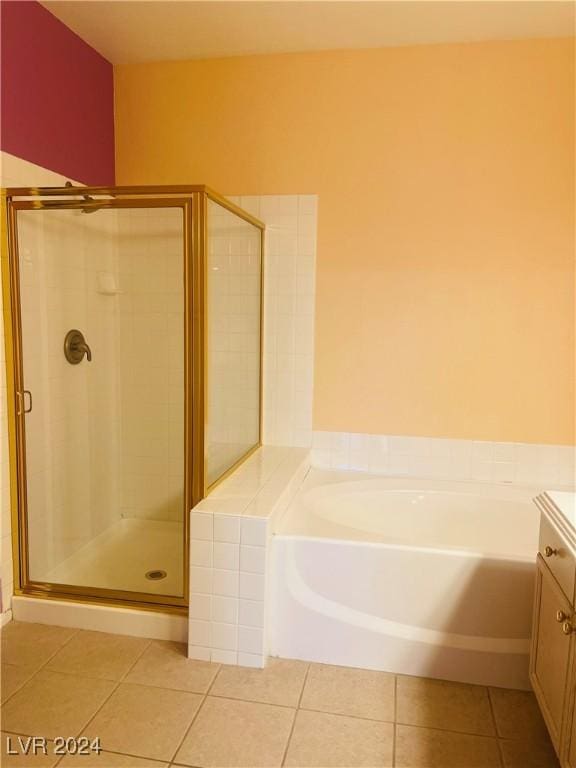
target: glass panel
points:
(105, 437)
(233, 300)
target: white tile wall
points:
(289, 290)
(552, 465)
(230, 537)
(233, 360)
(151, 362)
(72, 462)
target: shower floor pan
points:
(121, 556)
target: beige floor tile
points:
(426, 748)
(166, 665)
(517, 715)
(109, 760)
(12, 679)
(520, 753)
(98, 654)
(229, 734)
(10, 743)
(345, 691)
(440, 704)
(144, 721)
(336, 741)
(52, 704)
(31, 645)
(280, 682)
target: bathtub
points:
(419, 577)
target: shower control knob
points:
(548, 551)
(75, 347)
(561, 616)
(567, 628)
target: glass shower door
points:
(104, 301)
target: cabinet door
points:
(571, 762)
(551, 649)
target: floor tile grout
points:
(112, 692)
(194, 718)
(395, 718)
(41, 667)
(299, 702)
(495, 724)
(296, 708)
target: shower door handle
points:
(22, 401)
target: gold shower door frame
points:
(193, 202)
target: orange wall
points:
(445, 177)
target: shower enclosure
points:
(133, 346)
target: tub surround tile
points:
(227, 528)
(144, 721)
(280, 682)
(97, 654)
(250, 639)
(237, 733)
(345, 691)
(238, 553)
(427, 748)
(52, 704)
(445, 458)
(224, 657)
(440, 704)
(164, 664)
(252, 586)
(336, 741)
(517, 715)
(225, 637)
(226, 583)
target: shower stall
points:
(133, 320)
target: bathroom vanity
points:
(553, 652)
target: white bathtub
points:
(418, 577)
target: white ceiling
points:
(126, 31)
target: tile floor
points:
(152, 707)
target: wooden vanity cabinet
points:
(571, 746)
(553, 649)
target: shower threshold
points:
(120, 557)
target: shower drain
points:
(156, 575)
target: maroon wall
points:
(57, 96)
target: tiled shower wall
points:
(289, 288)
(72, 430)
(151, 362)
(233, 297)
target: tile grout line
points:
(286, 748)
(395, 716)
(495, 724)
(112, 692)
(41, 667)
(196, 714)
